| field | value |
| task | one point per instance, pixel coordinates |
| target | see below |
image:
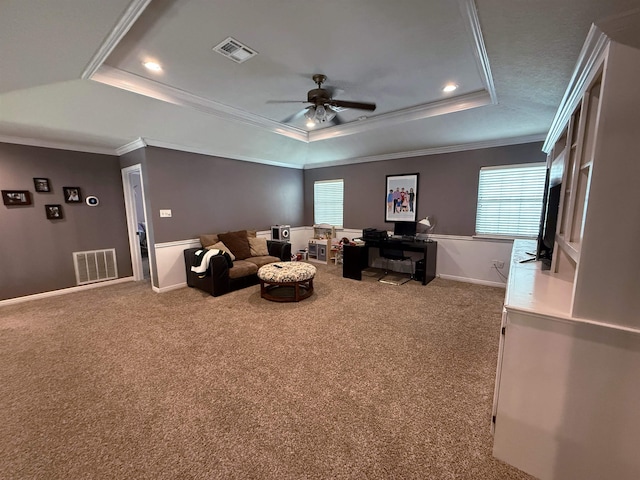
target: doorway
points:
(137, 225)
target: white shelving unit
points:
(567, 391)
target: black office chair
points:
(394, 253)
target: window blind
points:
(510, 200)
(328, 199)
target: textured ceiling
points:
(395, 54)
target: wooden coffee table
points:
(286, 281)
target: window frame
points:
(534, 223)
(315, 201)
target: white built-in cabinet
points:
(598, 228)
(567, 395)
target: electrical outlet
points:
(497, 263)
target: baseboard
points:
(63, 291)
(169, 288)
(473, 280)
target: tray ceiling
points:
(510, 60)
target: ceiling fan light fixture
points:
(319, 114)
(310, 115)
(324, 114)
(324, 108)
(330, 114)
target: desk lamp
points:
(429, 225)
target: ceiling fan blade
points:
(357, 105)
(287, 101)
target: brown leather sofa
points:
(219, 277)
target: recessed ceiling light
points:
(450, 87)
(153, 66)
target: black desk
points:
(356, 258)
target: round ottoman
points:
(286, 281)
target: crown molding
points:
(122, 26)
(591, 57)
(150, 88)
(75, 147)
(434, 109)
(98, 71)
(208, 151)
(146, 142)
(131, 146)
(433, 151)
(469, 9)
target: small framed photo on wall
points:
(401, 198)
(16, 197)
(41, 184)
(72, 194)
(54, 212)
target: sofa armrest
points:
(279, 249)
(189, 256)
(215, 281)
(219, 269)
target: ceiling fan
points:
(324, 107)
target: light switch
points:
(165, 213)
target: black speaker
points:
(281, 232)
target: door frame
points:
(132, 221)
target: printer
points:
(373, 234)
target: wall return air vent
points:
(95, 266)
(234, 50)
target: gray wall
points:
(206, 194)
(36, 253)
(448, 186)
(211, 194)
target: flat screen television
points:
(405, 229)
(549, 217)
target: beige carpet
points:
(360, 381)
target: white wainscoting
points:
(465, 259)
(170, 264)
(470, 259)
(170, 257)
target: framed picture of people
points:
(41, 184)
(54, 212)
(16, 197)
(72, 194)
(401, 198)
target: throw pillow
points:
(222, 246)
(208, 239)
(237, 242)
(258, 247)
(252, 233)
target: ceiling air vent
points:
(234, 50)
